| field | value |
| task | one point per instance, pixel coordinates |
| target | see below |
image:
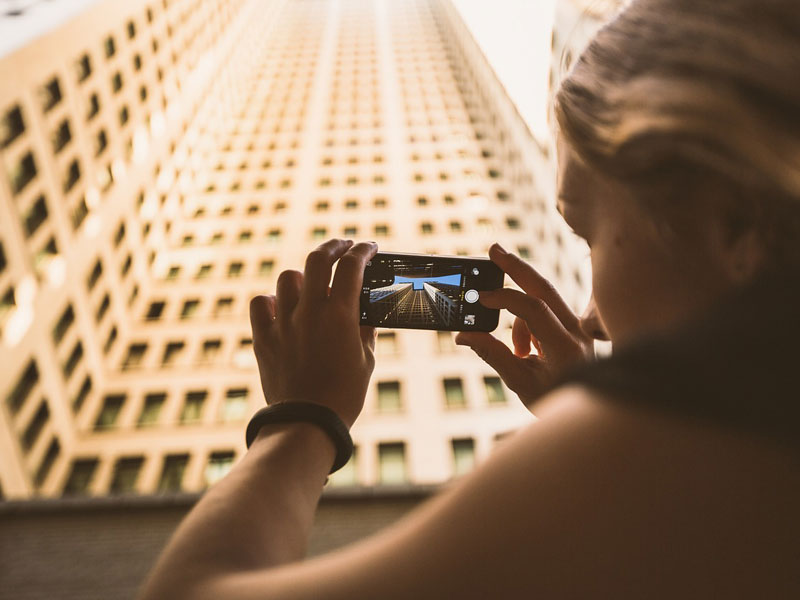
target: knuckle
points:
(317, 257)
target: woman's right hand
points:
(543, 320)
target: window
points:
(124, 115)
(35, 216)
(494, 390)
(245, 236)
(512, 223)
(155, 310)
(80, 477)
(135, 356)
(216, 239)
(151, 409)
(219, 463)
(321, 206)
(131, 28)
(103, 308)
(319, 233)
(36, 425)
(68, 368)
(63, 324)
(348, 474)
(382, 230)
(94, 107)
(463, 456)
(210, 351)
(11, 127)
(53, 450)
(72, 176)
(524, 252)
(3, 260)
(274, 235)
(189, 308)
(112, 337)
(235, 269)
(389, 399)
(83, 393)
(112, 405)
(94, 275)
(386, 344)
(422, 201)
(173, 273)
(350, 231)
(110, 46)
(83, 68)
(204, 271)
(392, 463)
(100, 142)
(23, 173)
(351, 205)
(223, 307)
(426, 228)
(454, 393)
(171, 353)
(235, 406)
(192, 411)
(61, 137)
(266, 267)
(171, 479)
(126, 472)
(50, 94)
(455, 226)
(79, 213)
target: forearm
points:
(259, 516)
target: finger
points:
(319, 266)
(288, 293)
(521, 336)
(492, 351)
(368, 336)
(532, 282)
(262, 316)
(536, 313)
(349, 277)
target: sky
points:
(515, 36)
(418, 281)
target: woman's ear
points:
(743, 256)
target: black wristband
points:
(308, 412)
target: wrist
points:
(296, 443)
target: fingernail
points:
(500, 249)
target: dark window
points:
(219, 463)
(79, 213)
(131, 28)
(61, 136)
(103, 308)
(119, 235)
(112, 337)
(3, 261)
(23, 173)
(124, 115)
(95, 274)
(50, 94)
(135, 355)
(389, 399)
(21, 391)
(155, 310)
(454, 393)
(126, 266)
(110, 47)
(171, 479)
(12, 126)
(53, 450)
(64, 323)
(83, 67)
(36, 425)
(153, 403)
(100, 142)
(171, 353)
(36, 216)
(494, 390)
(112, 405)
(80, 477)
(192, 410)
(72, 176)
(72, 361)
(126, 472)
(116, 82)
(83, 393)
(94, 107)
(189, 308)
(137, 62)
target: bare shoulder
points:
(596, 499)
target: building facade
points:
(164, 160)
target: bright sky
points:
(515, 37)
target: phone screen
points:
(418, 291)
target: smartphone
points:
(422, 291)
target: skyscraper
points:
(164, 160)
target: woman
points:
(670, 470)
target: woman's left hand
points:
(307, 339)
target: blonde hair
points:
(696, 90)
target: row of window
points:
(392, 469)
